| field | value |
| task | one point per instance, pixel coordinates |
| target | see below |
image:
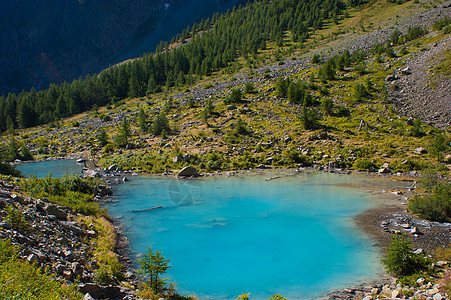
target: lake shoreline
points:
(391, 192)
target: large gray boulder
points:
(51, 209)
(100, 291)
(188, 171)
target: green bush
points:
(249, 88)
(434, 205)
(364, 165)
(7, 169)
(234, 97)
(400, 260)
(70, 190)
(21, 280)
(16, 219)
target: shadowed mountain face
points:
(51, 41)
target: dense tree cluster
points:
(214, 44)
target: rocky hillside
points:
(54, 41)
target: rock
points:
(91, 233)
(369, 297)
(406, 71)
(51, 209)
(433, 291)
(32, 258)
(414, 230)
(266, 145)
(88, 297)
(17, 198)
(420, 281)
(384, 171)
(386, 165)
(391, 78)
(41, 256)
(177, 159)
(188, 171)
(442, 263)
(418, 251)
(395, 294)
(102, 190)
(420, 150)
(438, 296)
(124, 179)
(81, 161)
(113, 168)
(60, 269)
(91, 173)
(100, 291)
(262, 166)
(447, 159)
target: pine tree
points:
(142, 120)
(154, 265)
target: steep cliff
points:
(48, 41)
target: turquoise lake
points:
(294, 236)
(225, 236)
(58, 168)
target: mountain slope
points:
(44, 42)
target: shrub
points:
(309, 118)
(316, 59)
(234, 97)
(364, 165)
(400, 260)
(249, 88)
(21, 280)
(70, 190)
(343, 111)
(434, 205)
(360, 92)
(327, 106)
(16, 219)
(7, 169)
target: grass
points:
(21, 280)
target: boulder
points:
(447, 159)
(420, 150)
(438, 296)
(384, 171)
(91, 173)
(391, 78)
(100, 291)
(113, 168)
(262, 166)
(51, 209)
(188, 171)
(406, 71)
(88, 297)
(81, 161)
(177, 159)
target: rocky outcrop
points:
(48, 236)
(188, 171)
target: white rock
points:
(442, 263)
(395, 294)
(438, 296)
(88, 297)
(369, 297)
(420, 280)
(433, 291)
(418, 251)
